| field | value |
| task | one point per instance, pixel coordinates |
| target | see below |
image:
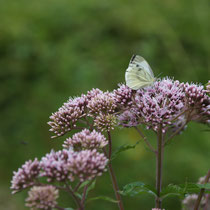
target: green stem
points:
(159, 160)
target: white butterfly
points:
(138, 74)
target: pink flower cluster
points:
(208, 87)
(123, 96)
(87, 164)
(68, 165)
(42, 197)
(94, 104)
(105, 122)
(86, 139)
(25, 176)
(198, 102)
(102, 103)
(60, 166)
(66, 117)
(168, 103)
(55, 166)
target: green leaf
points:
(204, 186)
(85, 183)
(137, 188)
(123, 148)
(68, 209)
(183, 189)
(172, 190)
(190, 188)
(78, 195)
(103, 198)
(91, 186)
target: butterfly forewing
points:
(142, 63)
(138, 74)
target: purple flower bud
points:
(198, 102)
(123, 95)
(93, 93)
(102, 103)
(105, 122)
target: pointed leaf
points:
(204, 186)
(103, 198)
(190, 188)
(137, 188)
(183, 189)
(172, 190)
(91, 186)
(85, 183)
(78, 195)
(123, 148)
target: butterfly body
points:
(139, 74)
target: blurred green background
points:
(53, 49)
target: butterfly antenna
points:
(159, 74)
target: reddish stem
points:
(159, 160)
(201, 193)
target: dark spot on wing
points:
(133, 57)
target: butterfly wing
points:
(142, 63)
(138, 74)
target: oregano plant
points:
(164, 107)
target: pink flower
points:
(42, 197)
(25, 176)
(87, 164)
(168, 103)
(68, 165)
(54, 166)
(102, 103)
(123, 95)
(86, 139)
(66, 117)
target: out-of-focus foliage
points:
(50, 50)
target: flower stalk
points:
(112, 175)
(76, 199)
(159, 161)
(201, 193)
(145, 139)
